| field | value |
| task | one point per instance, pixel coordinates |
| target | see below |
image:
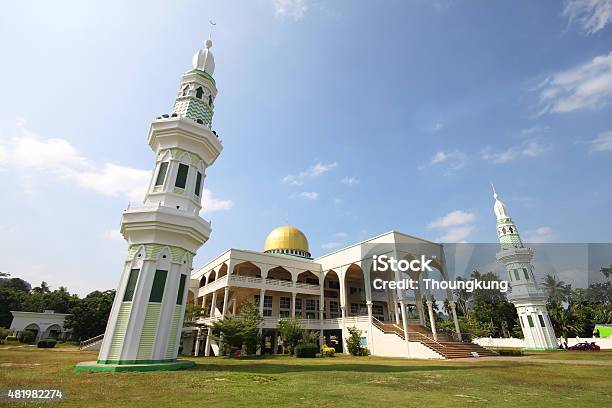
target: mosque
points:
(146, 328)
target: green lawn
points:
(338, 382)
(605, 355)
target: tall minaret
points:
(163, 235)
(529, 300)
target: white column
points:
(213, 305)
(225, 299)
(293, 296)
(370, 326)
(208, 334)
(455, 319)
(342, 309)
(234, 306)
(405, 325)
(432, 320)
(197, 342)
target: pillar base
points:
(94, 366)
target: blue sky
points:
(346, 119)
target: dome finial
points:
(494, 192)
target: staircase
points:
(445, 345)
(92, 344)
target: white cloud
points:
(458, 226)
(113, 235)
(456, 234)
(602, 143)
(341, 235)
(350, 180)
(116, 180)
(452, 160)
(330, 245)
(535, 129)
(531, 148)
(592, 15)
(295, 9)
(456, 217)
(311, 172)
(541, 234)
(210, 203)
(58, 158)
(306, 195)
(587, 86)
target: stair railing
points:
(87, 342)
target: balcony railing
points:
(256, 281)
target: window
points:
(516, 274)
(525, 273)
(185, 90)
(285, 313)
(131, 285)
(541, 320)
(331, 294)
(312, 281)
(285, 303)
(181, 290)
(181, 176)
(334, 309)
(159, 282)
(199, 92)
(334, 285)
(161, 175)
(530, 319)
(298, 304)
(377, 312)
(355, 308)
(256, 300)
(268, 302)
(354, 290)
(198, 184)
(311, 304)
(209, 100)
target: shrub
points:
(4, 332)
(328, 351)
(27, 337)
(509, 352)
(11, 339)
(46, 343)
(306, 350)
(353, 343)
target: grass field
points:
(537, 380)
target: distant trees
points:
(89, 315)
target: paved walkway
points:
(535, 359)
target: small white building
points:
(44, 325)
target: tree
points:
(15, 283)
(353, 343)
(292, 332)
(43, 288)
(557, 290)
(239, 331)
(10, 299)
(89, 315)
(192, 314)
(607, 272)
(563, 320)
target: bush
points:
(509, 352)
(27, 337)
(353, 343)
(4, 332)
(11, 339)
(46, 343)
(328, 351)
(307, 350)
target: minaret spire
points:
(529, 301)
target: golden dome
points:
(287, 240)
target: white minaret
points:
(163, 235)
(529, 300)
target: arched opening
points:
(34, 328)
(222, 271)
(279, 273)
(247, 269)
(212, 276)
(308, 277)
(331, 285)
(185, 90)
(54, 331)
(203, 281)
(199, 92)
(354, 282)
(209, 100)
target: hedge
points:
(307, 350)
(46, 343)
(328, 351)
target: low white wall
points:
(605, 344)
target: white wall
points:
(605, 344)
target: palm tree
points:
(564, 320)
(557, 290)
